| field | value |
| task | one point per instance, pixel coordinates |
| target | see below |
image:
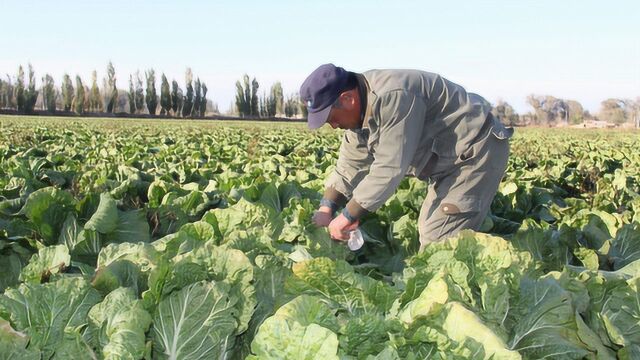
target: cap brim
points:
(317, 119)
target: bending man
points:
(406, 123)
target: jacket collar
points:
(369, 97)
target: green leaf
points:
(48, 261)
(195, 322)
(13, 344)
(118, 325)
(47, 208)
(336, 281)
(625, 247)
(547, 325)
(45, 312)
(105, 219)
(280, 339)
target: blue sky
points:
(582, 50)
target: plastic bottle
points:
(355, 240)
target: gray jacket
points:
(410, 116)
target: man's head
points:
(331, 96)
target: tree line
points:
(552, 111)
(141, 97)
(22, 95)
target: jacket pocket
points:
(463, 204)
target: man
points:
(406, 123)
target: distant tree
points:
(187, 105)
(139, 93)
(49, 93)
(576, 112)
(247, 94)
(197, 98)
(549, 110)
(30, 94)
(242, 103)
(165, 96)
(122, 102)
(254, 97)
(180, 104)
(19, 90)
(111, 92)
(278, 98)
(505, 112)
(613, 111)
(6, 97)
(203, 100)
(67, 92)
(174, 97)
(95, 100)
(3, 94)
(632, 110)
(79, 98)
(262, 104)
(293, 106)
(151, 97)
(131, 95)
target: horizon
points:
(577, 50)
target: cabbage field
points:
(123, 239)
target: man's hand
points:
(323, 216)
(340, 227)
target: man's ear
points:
(346, 99)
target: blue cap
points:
(320, 90)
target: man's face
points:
(346, 113)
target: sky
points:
(503, 50)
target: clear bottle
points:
(355, 240)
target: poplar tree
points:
(132, 96)
(139, 93)
(196, 100)
(7, 94)
(165, 96)
(254, 97)
(67, 92)
(203, 101)
(174, 97)
(30, 94)
(187, 105)
(151, 97)
(79, 98)
(277, 98)
(49, 93)
(19, 89)
(111, 90)
(95, 101)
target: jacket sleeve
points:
(402, 117)
(353, 164)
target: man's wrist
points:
(346, 214)
(329, 204)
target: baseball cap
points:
(320, 90)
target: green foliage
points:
(139, 98)
(78, 100)
(187, 103)
(95, 100)
(19, 91)
(49, 93)
(67, 92)
(111, 89)
(130, 241)
(176, 98)
(131, 95)
(151, 98)
(165, 96)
